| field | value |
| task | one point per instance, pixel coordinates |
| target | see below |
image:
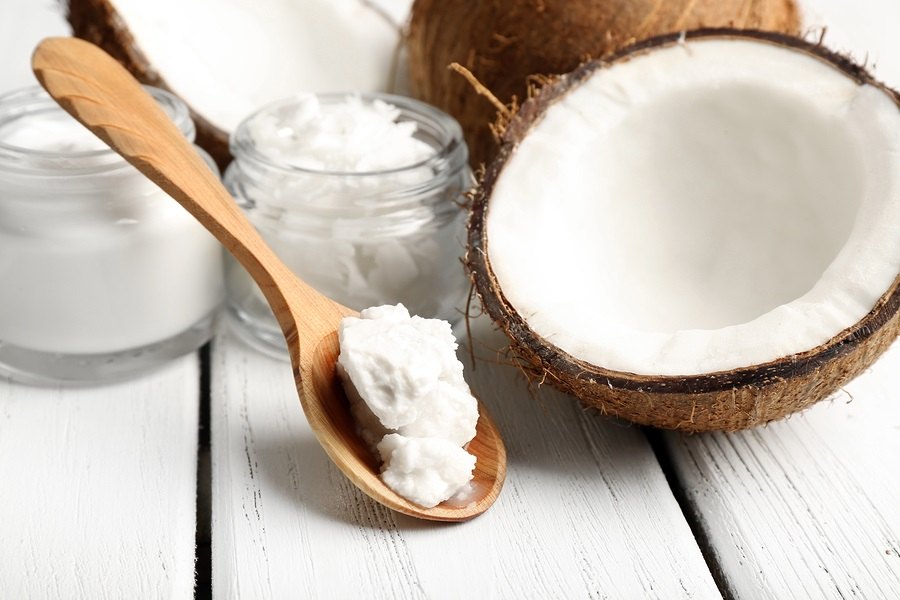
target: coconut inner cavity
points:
(701, 208)
(714, 206)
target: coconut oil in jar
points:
(102, 275)
(362, 196)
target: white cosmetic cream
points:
(102, 273)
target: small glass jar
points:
(102, 275)
(360, 238)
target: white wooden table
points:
(99, 493)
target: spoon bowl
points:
(103, 96)
(350, 449)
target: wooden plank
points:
(586, 511)
(806, 507)
(97, 488)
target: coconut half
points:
(227, 58)
(701, 233)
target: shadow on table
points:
(555, 448)
(297, 468)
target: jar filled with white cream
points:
(363, 196)
(102, 274)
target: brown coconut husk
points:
(98, 22)
(728, 400)
(504, 42)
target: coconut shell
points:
(728, 400)
(98, 22)
(504, 42)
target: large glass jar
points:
(102, 274)
(361, 238)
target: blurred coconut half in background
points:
(227, 58)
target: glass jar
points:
(102, 274)
(361, 238)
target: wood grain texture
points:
(97, 488)
(807, 508)
(586, 511)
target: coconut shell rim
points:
(502, 311)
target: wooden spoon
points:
(104, 97)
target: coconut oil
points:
(101, 273)
(362, 196)
(410, 401)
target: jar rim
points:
(32, 99)
(452, 152)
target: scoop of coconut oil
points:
(410, 401)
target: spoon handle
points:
(103, 96)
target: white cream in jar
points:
(101, 273)
(362, 196)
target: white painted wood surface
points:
(97, 488)
(810, 507)
(97, 485)
(586, 510)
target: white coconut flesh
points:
(227, 58)
(703, 207)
